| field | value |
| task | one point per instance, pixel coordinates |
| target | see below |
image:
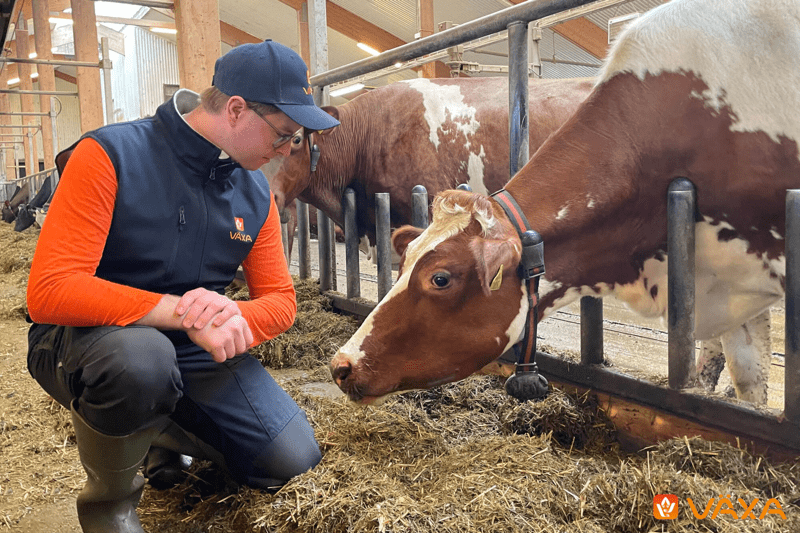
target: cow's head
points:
(458, 303)
(289, 176)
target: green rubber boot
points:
(107, 503)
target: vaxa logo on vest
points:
(665, 507)
(239, 234)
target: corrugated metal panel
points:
(68, 121)
(157, 63)
(637, 6)
(132, 108)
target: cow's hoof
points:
(527, 386)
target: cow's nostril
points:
(341, 371)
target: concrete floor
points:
(631, 342)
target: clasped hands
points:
(215, 323)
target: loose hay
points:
(462, 457)
(421, 462)
(15, 265)
(313, 338)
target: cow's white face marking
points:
(442, 102)
(708, 44)
(442, 228)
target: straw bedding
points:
(461, 457)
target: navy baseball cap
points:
(271, 73)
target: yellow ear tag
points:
(498, 279)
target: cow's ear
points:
(402, 236)
(492, 255)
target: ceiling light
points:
(35, 75)
(398, 65)
(171, 31)
(12, 81)
(32, 55)
(68, 10)
(368, 49)
(56, 20)
(54, 50)
(347, 90)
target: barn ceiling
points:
(568, 49)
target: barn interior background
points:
(502, 466)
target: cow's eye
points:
(297, 140)
(441, 279)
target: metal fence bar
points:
(326, 275)
(681, 203)
(419, 206)
(792, 330)
(353, 274)
(303, 240)
(383, 232)
(518, 124)
(591, 330)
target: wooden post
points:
(425, 9)
(302, 33)
(47, 77)
(197, 22)
(8, 153)
(26, 100)
(90, 97)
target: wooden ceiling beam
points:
(583, 33)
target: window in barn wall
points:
(169, 90)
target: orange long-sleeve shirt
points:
(63, 288)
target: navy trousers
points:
(129, 378)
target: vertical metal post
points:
(318, 44)
(32, 185)
(535, 57)
(517, 96)
(106, 65)
(792, 336)
(303, 240)
(53, 115)
(591, 330)
(353, 271)
(383, 233)
(681, 203)
(326, 274)
(285, 241)
(419, 206)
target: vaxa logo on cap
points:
(308, 90)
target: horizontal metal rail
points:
(494, 23)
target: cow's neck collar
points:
(530, 269)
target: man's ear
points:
(234, 108)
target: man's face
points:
(257, 139)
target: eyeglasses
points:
(282, 139)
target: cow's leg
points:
(710, 363)
(748, 355)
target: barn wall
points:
(157, 65)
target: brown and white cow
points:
(689, 89)
(432, 132)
